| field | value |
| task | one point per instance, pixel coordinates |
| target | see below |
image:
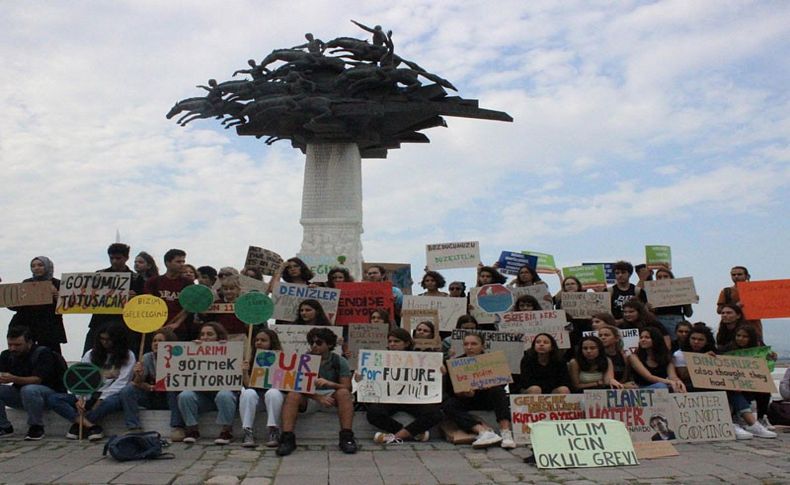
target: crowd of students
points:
(32, 368)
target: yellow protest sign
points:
(145, 313)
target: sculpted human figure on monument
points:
(313, 45)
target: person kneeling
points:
(333, 389)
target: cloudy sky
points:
(635, 123)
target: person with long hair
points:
(145, 267)
(526, 276)
(338, 275)
(746, 337)
(700, 340)
(543, 368)
(189, 272)
(45, 325)
(433, 282)
(652, 363)
(380, 415)
(293, 270)
(457, 404)
(464, 322)
(614, 349)
(193, 403)
(602, 319)
(571, 284)
(487, 275)
(526, 303)
(310, 312)
(381, 315)
(636, 315)
(591, 368)
(111, 354)
(731, 319)
(251, 398)
(681, 336)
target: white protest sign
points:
(287, 371)
(288, 296)
(452, 255)
(512, 344)
(579, 304)
(530, 324)
(369, 336)
(449, 308)
(399, 377)
(527, 409)
(293, 338)
(649, 414)
(104, 293)
(207, 366)
(540, 292)
(582, 443)
(703, 416)
(671, 292)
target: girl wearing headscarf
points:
(45, 325)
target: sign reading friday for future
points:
(104, 293)
(287, 371)
(658, 257)
(452, 255)
(546, 262)
(510, 262)
(399, 377)
(581, 444)
(206, 366)
(592, 277)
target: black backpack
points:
(137, 446)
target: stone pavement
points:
(56, 460)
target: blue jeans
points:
(738, 403)
(31, 397)
(132, 397)
(655, 385)
(192, 404)
(65, 405)
(670, 323)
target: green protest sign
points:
(82, 379)
(658, 257)
(196, 298)
(546, 262)
(254, 308)
(762, 352)
(592, 276)
(582, 443)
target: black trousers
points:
(457, 407)
(426, 417)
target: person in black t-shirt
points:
(623, 290)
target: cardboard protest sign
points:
(264, 260)
(530, 324)
(368, 336)
(26, 294)
(449, 308)
(629, 336)
(321, 264)
(288, 296)
(585, 304)
(399, 377)
(510, 262)
(658, 257)
(104, 293)
(358, 300)
(399, 274)
(592, 277)
(539, 291)
(293, 338)
(765, 299)
(608, 270)
(729, 373)
(207, 366)
(648, 450)
(671, 292)
(762, 352)
(409, 321)
(703, 416)
(479, 371)
(584, 443)
(452, 255)
(145, 313)
(527, 409)
(489, 302)
(512, 344)
(287, 371)
(546, 262)
(649, 414)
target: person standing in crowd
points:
(682, 332)
(457, 289)
(207, 276)
(251, 398)
(623, 290)
(29, 374)
(671, 316)
(333, 390)
(118, 254)
(487, 275)
(310, 312)
(44, 324)
(168, 287)
(145, 268)
(730, 296)
(189, 272)
(571, 284)
(433, 282)
(643, 273)
(338, 275)
(293, 270)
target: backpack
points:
(60, 365)
(137, 446)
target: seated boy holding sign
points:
(333, 390)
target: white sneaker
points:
(740, 433)
(486, 439)
(767, 424)
(759, 430)
(507, 440)
(386, 439)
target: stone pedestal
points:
(332, 205)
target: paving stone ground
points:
(56, 460)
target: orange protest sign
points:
(765, 299)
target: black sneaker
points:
(34, 433)
(95, 433)
(347, 442)
(287, 444)
(74, 432)
(7, 430)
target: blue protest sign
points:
(510, 262)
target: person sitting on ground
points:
(613, 348)
(456, 405)
(111, 354)
(636, 315)
(194, 403)
(251, 398)
(140, 391)
(681, 336)
(746, 337)
(700, 340)
(591, 368)
(731, 319)
(602, 319)
(465, 322)
(333, 390)
(34, 372)
(380, 414)
(543, 369)
(652, 363)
